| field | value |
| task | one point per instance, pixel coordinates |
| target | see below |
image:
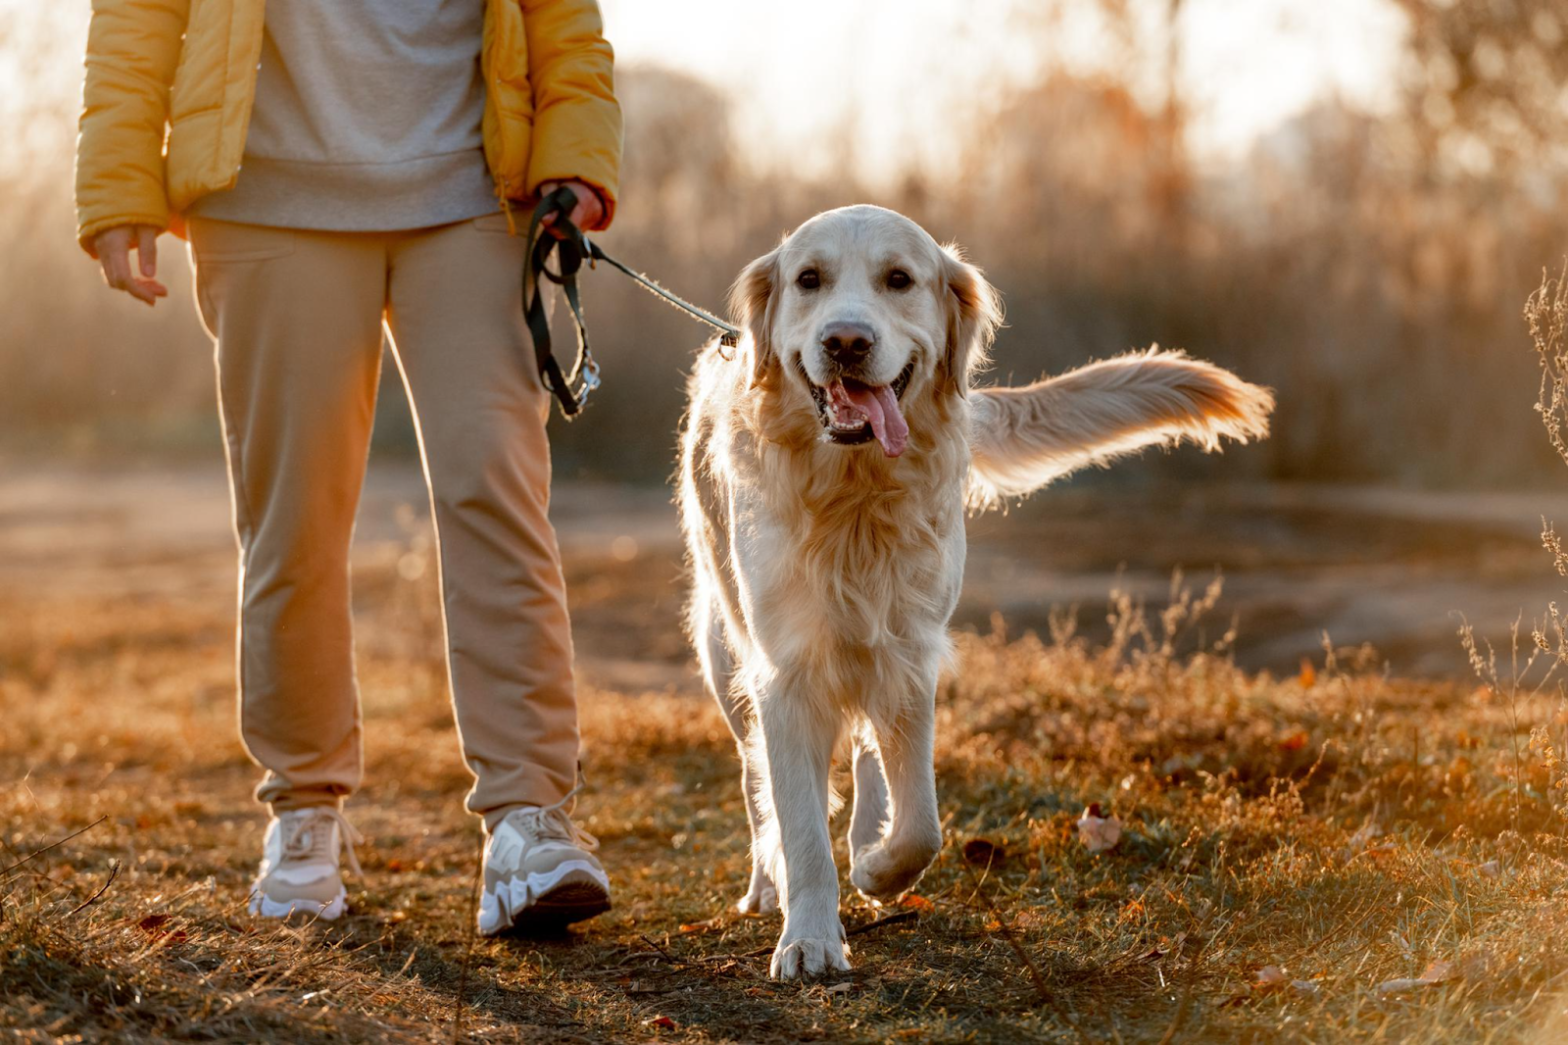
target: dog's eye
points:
(810, 279)
(898, 279)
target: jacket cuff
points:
(568, 142)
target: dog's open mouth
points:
(853, 412)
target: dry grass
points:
(1332, 856)
(1350, 828)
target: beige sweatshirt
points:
(367, 118)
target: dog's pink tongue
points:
(880, 406)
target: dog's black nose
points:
(848, 343)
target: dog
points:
(827, 464)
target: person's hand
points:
(113, 248)
(588, 212)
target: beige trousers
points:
(297, 317)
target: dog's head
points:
(858, 314)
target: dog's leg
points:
(891, 864)
(761, 895)
(869, 818)
(718, 671)
(798, 744)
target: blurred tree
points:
(1488, 83)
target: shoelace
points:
(305, 840)
(554, 823)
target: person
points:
(338, 167)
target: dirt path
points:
(1393, 568)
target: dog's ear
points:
(751, 303)
(974, 312)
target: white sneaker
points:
(540, 874)
(299, 864)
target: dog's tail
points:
(1023, 438)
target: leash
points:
(572, 249)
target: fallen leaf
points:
(1399, 986)
(983, 852)
(917, 902)
(153, 926)
(700, 927)
(841, 988)
(1402, 986)
(1295, 740)
(1270, 977)
(1098, 833)
(660, 1022)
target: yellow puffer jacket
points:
(170, 84)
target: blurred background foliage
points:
(1370, 265)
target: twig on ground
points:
(655, 945)
(114, 872)
(1205, 937)
(1184, 1004)
(52, 845)
(1038, 977)
(886, 920)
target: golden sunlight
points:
(894, 71)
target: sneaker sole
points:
(266, 907)
(557, 909)
(503, 912)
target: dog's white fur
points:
(825, 575)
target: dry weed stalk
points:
(1546, 317)
(1546, 313)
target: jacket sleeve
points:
(577, 121)
(133, 47)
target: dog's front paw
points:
(809, 954)
(762, 897)
(881, 874)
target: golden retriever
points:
(827, 463)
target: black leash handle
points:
(572, 391)
(573, 248)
